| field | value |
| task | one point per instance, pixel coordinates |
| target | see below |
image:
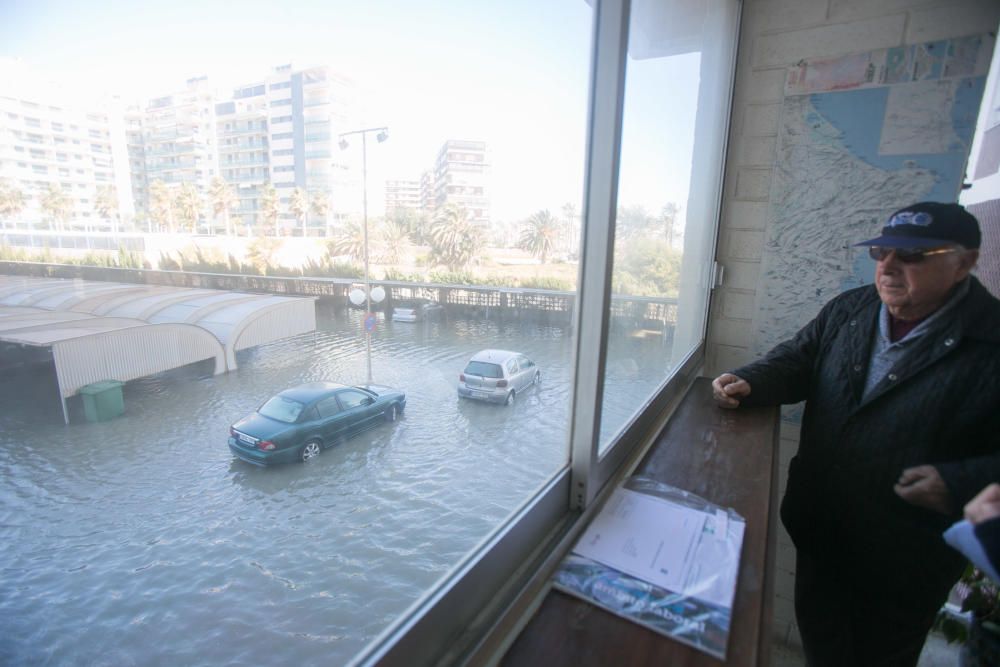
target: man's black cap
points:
(928, 224)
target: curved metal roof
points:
(101, 331)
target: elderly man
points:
(901, 429)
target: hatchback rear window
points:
(484, 369)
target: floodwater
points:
(141, 541)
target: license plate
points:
(479, 394)
(247, 439)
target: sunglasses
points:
(906, 255)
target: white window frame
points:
(445, 625)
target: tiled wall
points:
(776, 34)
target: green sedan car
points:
(298, 423)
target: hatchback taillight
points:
(265, 445)
(461, 377)
(501, 383)
(232, 431)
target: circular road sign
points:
(370, 321)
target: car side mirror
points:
(369, 400)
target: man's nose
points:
(890, 260)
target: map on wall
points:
(859, 137)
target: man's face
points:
(914, 290)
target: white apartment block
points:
(427, 191)
(460, 177)
(282, 130)
(402, 194)
(178, 138)
(50, 139)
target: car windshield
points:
(281, 408)
(484, 369)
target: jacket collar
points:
(976, 316)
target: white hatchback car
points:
(497, 376)
(415, 310)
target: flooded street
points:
(141, 541)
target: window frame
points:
(473, 606)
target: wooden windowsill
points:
(728, 457)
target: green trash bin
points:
(102, 401)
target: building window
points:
(408, 510)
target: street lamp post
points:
(382, 133)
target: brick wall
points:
(776, 34)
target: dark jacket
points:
(940, 405)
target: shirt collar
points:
(883, 318)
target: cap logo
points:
(918, 218)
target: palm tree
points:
(395, 239)
(319, 203)
(11, 201)
(539, 235)
(269, 207)
(570, 219)
(223, 200)
(262, 252)
(633, 221)
(298, 205)
(668, 215)
(454, 239)
(189, 205)
(161, 205)
(349, 241)
(57, 205)
(106, 204)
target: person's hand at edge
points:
(985, 506)
(728, 389)
(922, 486)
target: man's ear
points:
(967, 260)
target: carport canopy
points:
(121, 331)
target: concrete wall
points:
(776, 34)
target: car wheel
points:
(537, 378)
(391, 413)
(510, 398)
(310, 450)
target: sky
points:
(513, 74)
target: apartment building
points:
(281, 130)
(50, 140)
(460, 177)
(427, 191)
(170, 140)
(136, 155)
(402, 194)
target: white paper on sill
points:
(678, 548)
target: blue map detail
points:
(861, 137)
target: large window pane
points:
(678, 75)
(436, 148)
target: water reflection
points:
(142, 541)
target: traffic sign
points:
(370, 320)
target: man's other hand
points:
(922, 486)
(728, 389)
(985, 506)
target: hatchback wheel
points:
(391, 413)
(510, 399)
(310, 450)
(537, 378)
